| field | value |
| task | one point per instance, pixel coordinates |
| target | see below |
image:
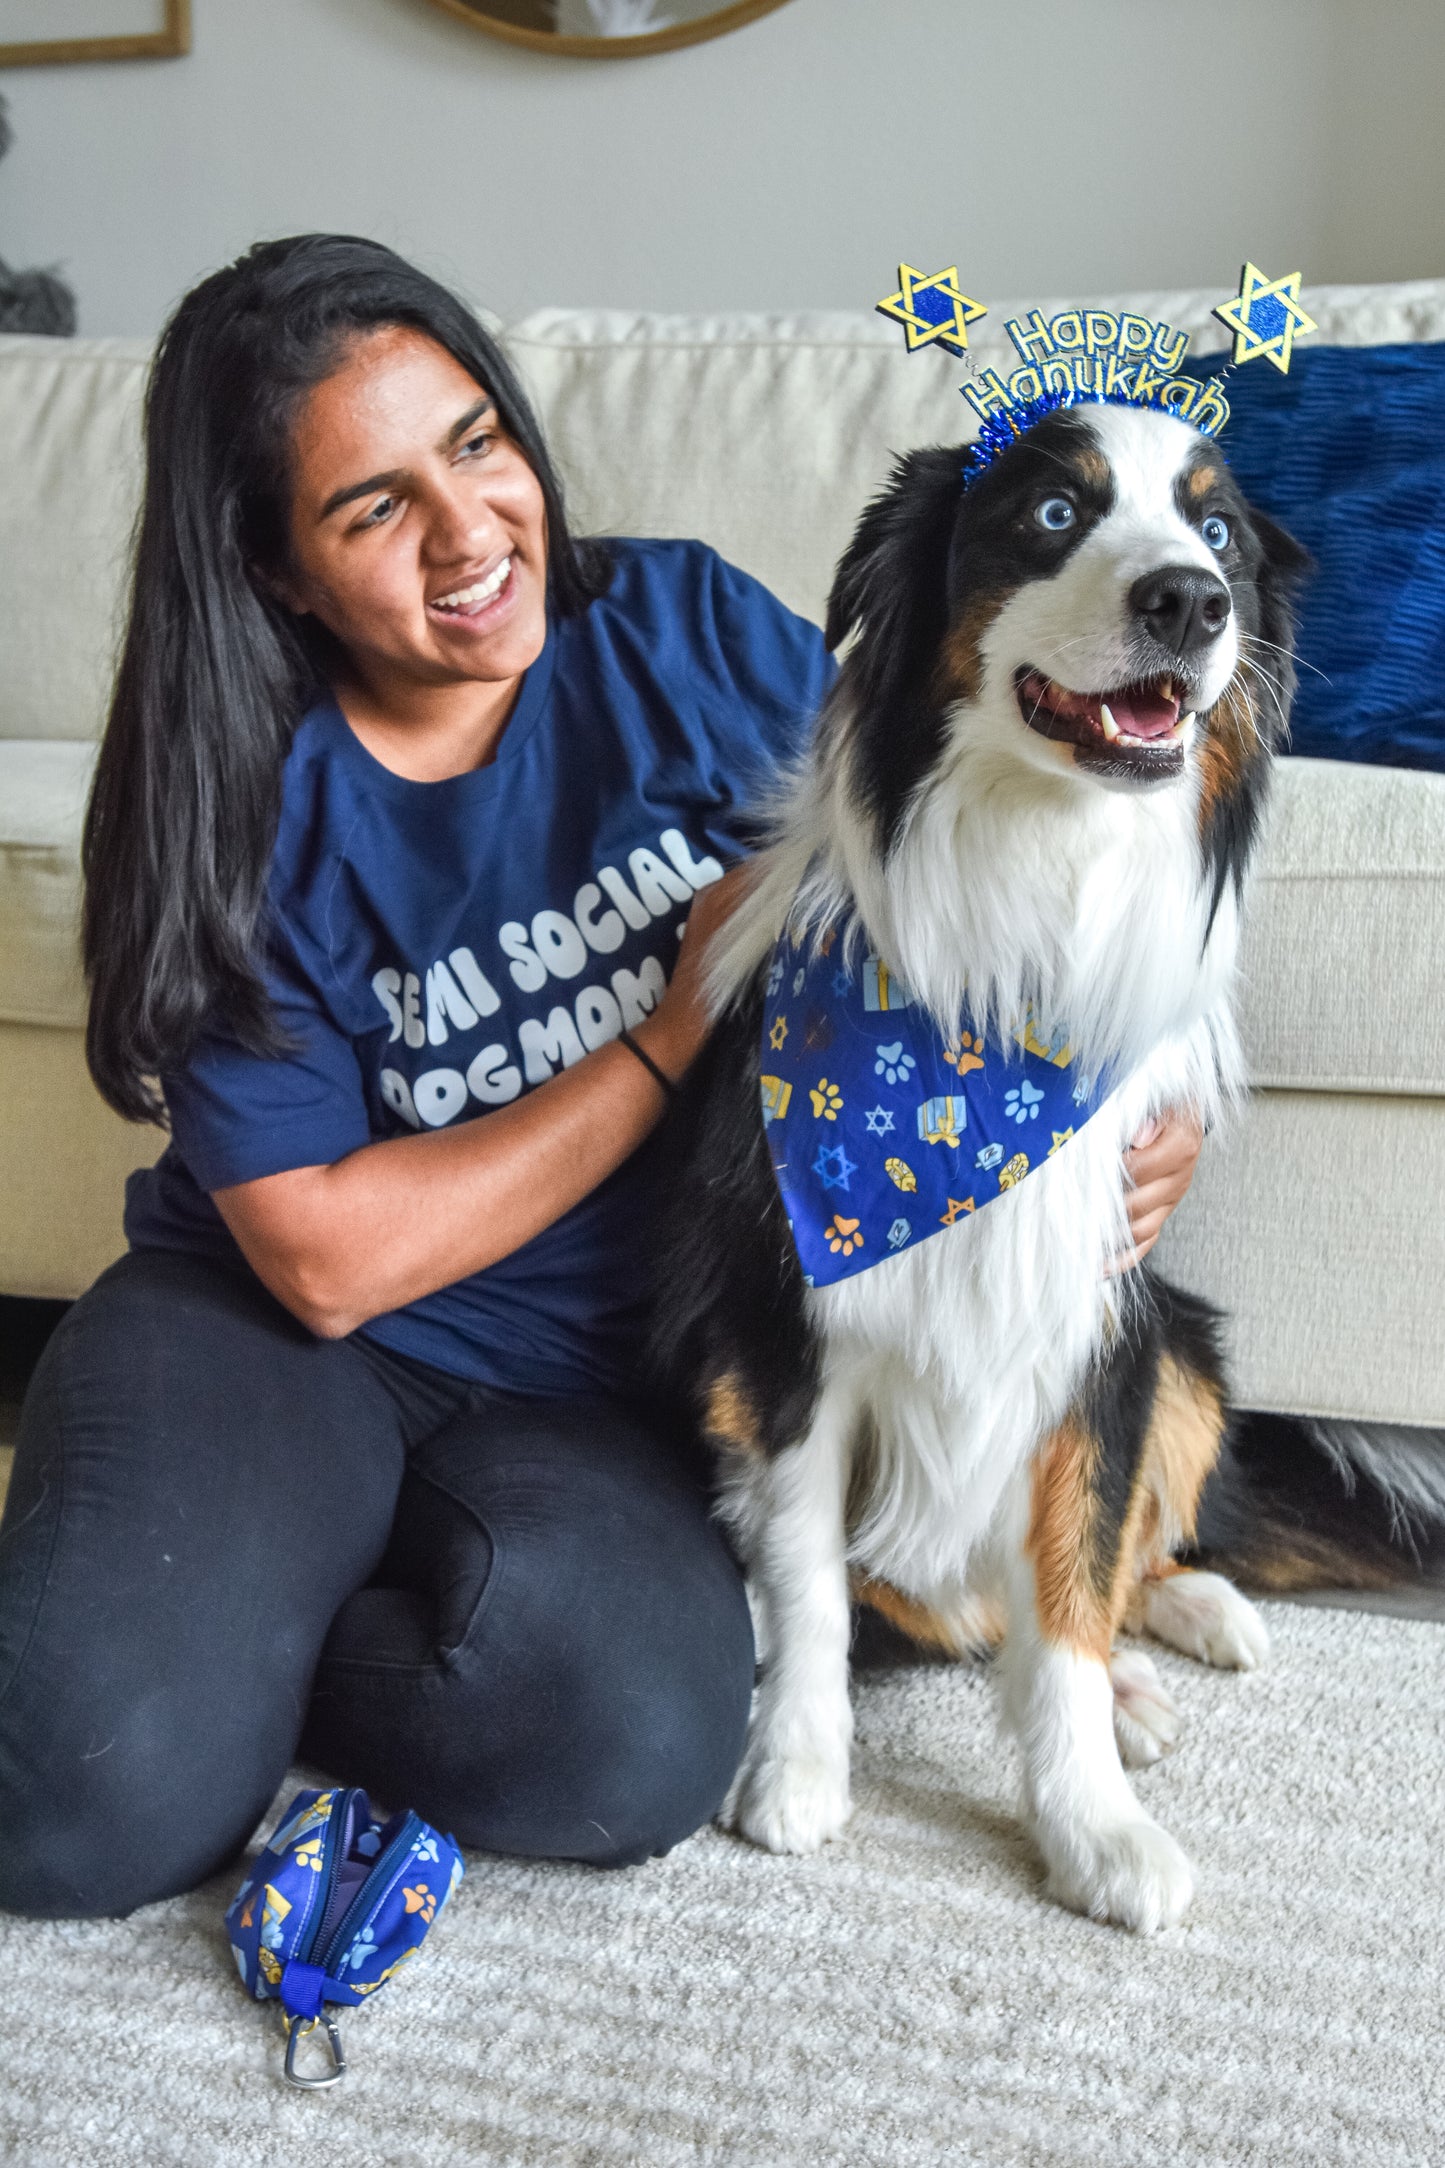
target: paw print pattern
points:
(309, 1854)
(844, 1236)
(420, 1899)
(1022, 1104)
(425, 1848)
(965, 1054)
(362, 1950)
(827, 1101)
(775, 977)
(893, 1064)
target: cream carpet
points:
(906, 1998)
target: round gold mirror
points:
(606, 29)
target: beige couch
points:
(1319, 1221)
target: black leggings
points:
(228, 1543)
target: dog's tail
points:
(1299, 1502)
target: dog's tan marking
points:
(1306, 1561)
(730, 1418)
(1199, 481)
(1181, 1446)
(960, 666)
(979, 1626)
(1186, 1430)
(1074, 1609)
(1231, 743)
(1092, 467)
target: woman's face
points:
(418, 534)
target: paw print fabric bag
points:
(333, 1906)
(882, 1129)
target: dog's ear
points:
(1284, 567)
(1290, 563)
(892, 588)
(898, 557)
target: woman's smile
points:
(479, 604)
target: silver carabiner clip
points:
(296, 2031)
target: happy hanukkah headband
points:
(1094, 356)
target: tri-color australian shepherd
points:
(1035, 788)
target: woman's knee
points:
(95, 1834)
(597, 1715)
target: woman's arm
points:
(397, 1220)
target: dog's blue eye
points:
(1216, 532)
(1055, 513)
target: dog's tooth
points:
(1186, 720)
(1111, 728)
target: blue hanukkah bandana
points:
(881, 1130)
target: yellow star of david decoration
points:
(1266, 317)
(932, 308)
(955, 1206)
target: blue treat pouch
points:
(333, 1905)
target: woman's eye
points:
(1055, 513)
(380, 512)
(1216, 532)
(479, 445)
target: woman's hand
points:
(677, 1030)
(1160, 1167)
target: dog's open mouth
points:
(1136, 729)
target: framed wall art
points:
(35, 33)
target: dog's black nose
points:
(1182, 606)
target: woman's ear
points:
(280, 587)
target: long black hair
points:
(215, 672)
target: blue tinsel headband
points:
(1093, 356)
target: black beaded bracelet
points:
(648, 1063)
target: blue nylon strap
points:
(303, 1989)
(882, 1130)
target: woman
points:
(401, 810)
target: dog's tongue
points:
(1143, 711)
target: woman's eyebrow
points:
(484, 406)
(353, 490)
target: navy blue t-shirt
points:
(439, 948)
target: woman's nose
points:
(464, 523)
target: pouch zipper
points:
(370, 1894)
(334, 1846)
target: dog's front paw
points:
(1129, 1872)
(789, 1802)
(1146, 1722)
(1205, 1617)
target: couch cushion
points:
(43, 786)
(69, 483)
(1344, 932)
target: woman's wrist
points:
(673, 1043)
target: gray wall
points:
(1044, 145)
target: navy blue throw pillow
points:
(1348, 453)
